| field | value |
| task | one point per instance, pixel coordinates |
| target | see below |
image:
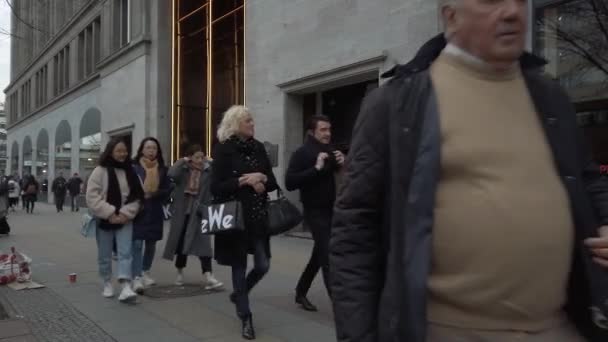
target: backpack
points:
(61, 185)
(31, 189)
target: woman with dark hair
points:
(149, 166)
(192, 187)
(30, 193)
(114, 195)
(242, 172)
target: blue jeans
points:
(105, 240)
(143, 263)
(242, 283)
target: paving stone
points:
(13, 328)
(51, 319)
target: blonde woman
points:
(242, 171)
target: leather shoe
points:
(248, 331)
(305, 304)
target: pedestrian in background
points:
(114, 196)
(4, 205)
(149, 166)
(22, 182)
(30, 193)
(74, 188)
(191, 176)
(14, 191)
(242, 172)
(59, 189)
(312, 170)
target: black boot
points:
(305, 303)
(248, 331)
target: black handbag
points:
(221, 218)
(282, 215)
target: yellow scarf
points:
(152, 179)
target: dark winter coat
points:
(228, 166)
(148, 225)
(32, 196)
(180, 174)
(317, 187)
(59, 187)
(381, 242)
(74, 186)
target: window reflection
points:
(208, 70)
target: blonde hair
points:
(231, 121)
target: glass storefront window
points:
(573, 37)
(208, 72)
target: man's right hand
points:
(321, 159)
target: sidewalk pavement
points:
(77, 312)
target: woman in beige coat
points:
(114, 195)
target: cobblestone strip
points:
(51, 318)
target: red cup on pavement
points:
(72, 278)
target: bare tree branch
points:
(21, 20)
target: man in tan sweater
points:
(471, 209)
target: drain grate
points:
(174, 291)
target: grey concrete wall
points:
(289, 40)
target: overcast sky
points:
(5, 48)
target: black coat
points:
(228, 166)
(317, 187)
(59, 187)
(148, 224)
(74, 186)
(381, 243)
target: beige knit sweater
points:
(503, 232)
(97, 190)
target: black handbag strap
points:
(279, 192)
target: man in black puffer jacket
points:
(312, 170)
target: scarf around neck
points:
(151, 179)
(194, 182)
(114, 193)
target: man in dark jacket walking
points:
(74, 185)
(312, 170)
(59, 189)
(471, 209)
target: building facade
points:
(169, 68)
(3, 142)
(83, 71)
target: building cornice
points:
(37, 112)
(334, 77)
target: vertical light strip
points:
(244, 66)
(178, 83)
(173, 135)
(235, 70)
(209, 113)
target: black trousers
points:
(74, 202)
(181, 260)
(59, 201)
(319, 223)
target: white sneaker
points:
(108, 289)
(179, 281)
(147, 280)
(138, 285)
(127, 295)
(210, 283)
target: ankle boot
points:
(248, 331)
